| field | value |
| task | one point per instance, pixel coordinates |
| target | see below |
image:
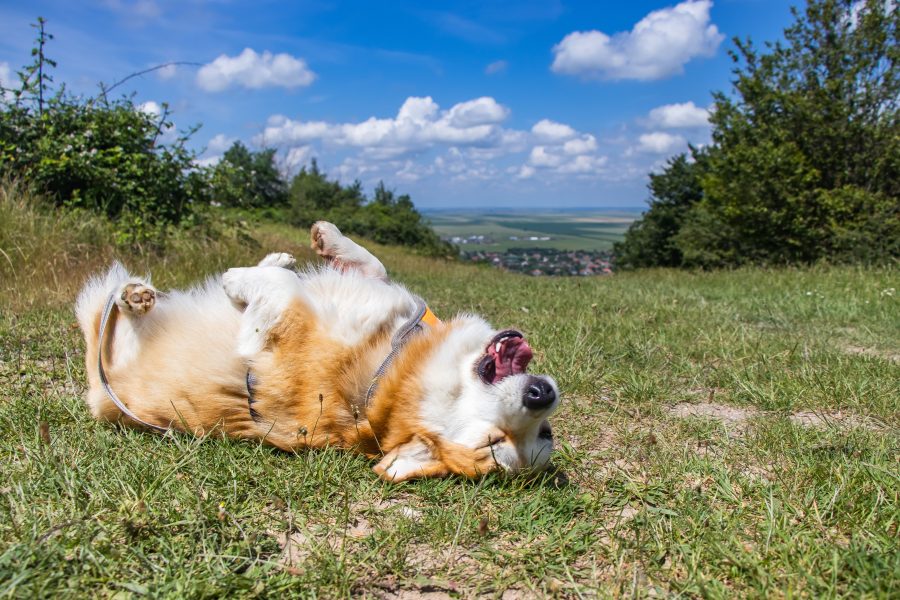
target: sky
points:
(482, 104)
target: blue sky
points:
(488, 104)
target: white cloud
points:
(254, 71)
(219, 144)
(551, 131)
(465, 142)
(296, 158)
(419, 124)
(541, 157)
(7, 80)
(498, 66)
(659, 142)
(583, 145)
(482, 111)
(583, 165)
(151, 108)
(208, 161)
(658, 46)
(672, 116)
(526, 172)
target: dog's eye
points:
(545, 433)
(496, 439)
(486, 369)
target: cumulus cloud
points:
(659, 142)
(419, 124)
(541, 157)
(658, 46)
(254, 71)
(466, 142)
(219, 144)
(551, 131)
(674, 116)
(583, 145)
(584, 164)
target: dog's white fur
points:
(211, 334)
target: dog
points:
(334, 355)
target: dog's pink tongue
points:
(511, 358)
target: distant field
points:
(576, 230)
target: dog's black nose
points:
(539, 394)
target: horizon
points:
(463, 106)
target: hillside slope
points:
(721, 433)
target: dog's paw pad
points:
(136, 298)
(325, 238)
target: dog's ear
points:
(415, 458)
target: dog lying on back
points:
(335, 356)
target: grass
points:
(647, 502)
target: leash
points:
(110, 304)
(422, 318)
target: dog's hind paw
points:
(326, 239)
(136, 299)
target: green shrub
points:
(805, 160)
(248, 179)
(105, 156)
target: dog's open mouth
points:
(507, 354)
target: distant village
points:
(546, 261)
(488, 240)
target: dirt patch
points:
(834, 419)
(716, 412)
(738, 416)
(872, 352)
(414, 594)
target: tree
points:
(99, 155)
(650, 241)
(811, 140)
(248, 179)
(805, 159)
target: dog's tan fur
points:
(309, 386)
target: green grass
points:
(577, 230)
(645, 502)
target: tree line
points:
(804, 163)
(116, 158)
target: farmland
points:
(567, 230)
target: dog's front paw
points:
(279, 259)
(233, 282)
(136, 299)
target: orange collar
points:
(429, 318)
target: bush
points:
(105, 156)
(650, 241)
(386, 219)
(248, 179)
(805, 159)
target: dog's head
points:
(465, 404)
